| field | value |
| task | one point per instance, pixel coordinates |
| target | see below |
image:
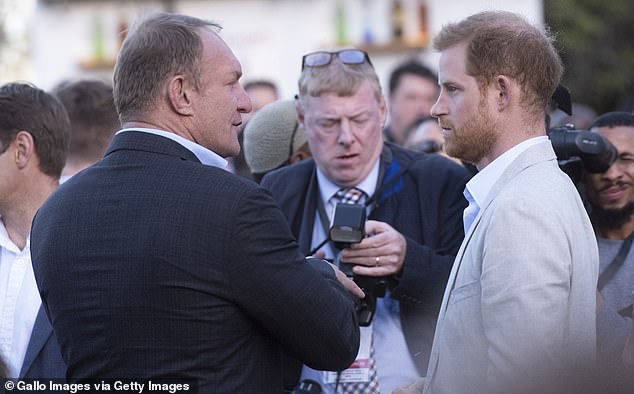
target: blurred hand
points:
(321, 254)
(381, 253)
(347, 282)
(416, 387)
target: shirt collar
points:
(206, 156)
(480, 185)
(7, 243)
(327, 188)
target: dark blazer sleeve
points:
(289, 300)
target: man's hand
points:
(416, 387)
(380, 254)
(347, 282)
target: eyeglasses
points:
(346, 56)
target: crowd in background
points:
(192, 236)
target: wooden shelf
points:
(97, 64)
(393, 47)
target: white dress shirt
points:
(206, 156)
(480, 185)
(19, 301)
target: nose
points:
(614, 173)
(244, 102)
(345, 136)
(439, 108)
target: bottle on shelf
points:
(98, 44)
(423, 27)
(368, 34)
(341, 29)
(397, 19)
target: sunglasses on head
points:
(324, 58)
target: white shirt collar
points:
(327, 188)
(206, 156)
(480, 185)
(7, 243)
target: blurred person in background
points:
(413, 90)
(425, 135)
(610, 196)
(34, 139)
(93, 118)
(261, 92)
(274, 138)
(581, 118)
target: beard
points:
(474, 140)
(611, 218)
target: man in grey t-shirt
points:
(611, 198)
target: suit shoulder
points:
(213, 177)
(425, 161)
(439, 167)
(280, 178)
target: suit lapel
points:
(42, 330)
(309, 210)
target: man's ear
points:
(505, 90)
(383, 112)
(179, 91)
(301, 154)
(24, 149)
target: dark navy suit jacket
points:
(152, 265)
(43, 358)
(424, 203)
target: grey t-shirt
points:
(617, 293)
(612, 328)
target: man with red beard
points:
(520, 300)
(611, 198)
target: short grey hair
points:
(339, 78)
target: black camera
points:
(347, 228)
(580, 150)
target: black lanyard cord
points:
(616, 264)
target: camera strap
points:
(617, 263)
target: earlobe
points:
(180, 95)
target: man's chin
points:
(612, 218)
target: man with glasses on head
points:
(414, 204)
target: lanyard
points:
(617, 263)
(614, 266)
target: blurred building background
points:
(45, 41)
